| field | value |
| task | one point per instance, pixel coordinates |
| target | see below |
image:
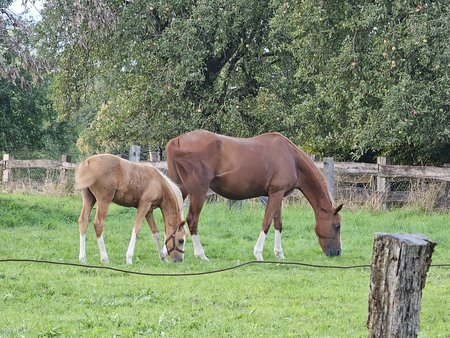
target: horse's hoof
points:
(259, 256)
(280, 254)
(129, 260)
(104, 260)
(83, 260)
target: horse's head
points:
(328, 230)
(175, 239)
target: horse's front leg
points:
(277, 249)
(140, 213)
(155, 232)
(271, 208)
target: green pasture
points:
(253, 301)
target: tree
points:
(30, 126)
(159, 70)
(16, 54)
(340, 78)
(369, 78)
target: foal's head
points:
(175, 239)
(328, 230)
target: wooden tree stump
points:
(400, 264)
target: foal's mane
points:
(175, 190)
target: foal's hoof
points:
(202, 257)
(163, 256)
(129, 260)
(83, 260)
(104, 260)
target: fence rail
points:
(380, 176)
(392, 171)
(44, 164)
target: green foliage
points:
(255, 301)
(369, 78)
(16, 52)
(30, 126)
(163, 69)
(343, 78)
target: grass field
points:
(254, 301)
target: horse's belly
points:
(237, 190)
(126, 199)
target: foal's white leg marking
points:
(102, 248)
(82, 256)
(162, 251)
(277, 247)
(259, 246)
(198, 248)
(130, 251)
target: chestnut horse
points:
(109, 178)
(240, 168)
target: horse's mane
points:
(316, 170)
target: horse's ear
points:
(338, 209)
(181, 225)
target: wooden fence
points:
(346, 180)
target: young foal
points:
(108, 178)
(240, 168)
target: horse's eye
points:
(180, 241)
(337, 226)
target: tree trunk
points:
(399, 266)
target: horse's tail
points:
(171, 152)
(84, 177)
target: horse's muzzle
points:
(333, 252)
(178, 259)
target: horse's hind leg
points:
(99, 223)
(195, 207)
(140, 213)
(83, 221)
(155, 232)
(277, 249)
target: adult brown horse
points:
(240, 168)
(107, 178)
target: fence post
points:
(153, 155)
(383, 185)
(399, 267)
(328, 171)
(63, 172)
(134, 153)
(7, 173)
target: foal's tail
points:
(84, 177)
